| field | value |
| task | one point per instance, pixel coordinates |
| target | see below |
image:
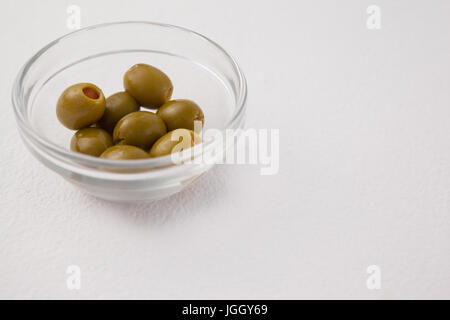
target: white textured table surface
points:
(364, 119)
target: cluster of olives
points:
(116, 128)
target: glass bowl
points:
(199, 69)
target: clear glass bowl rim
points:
(50, 147)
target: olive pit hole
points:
(91, 93)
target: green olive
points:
(174, 141)
(140, 129)
(148, 85)
(180, 113)
(91, 141)
(124, 152)
(80, 105)
(118, 105)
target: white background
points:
(364, 164)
